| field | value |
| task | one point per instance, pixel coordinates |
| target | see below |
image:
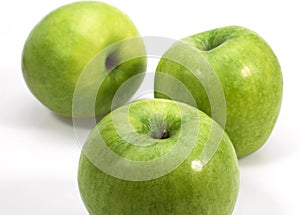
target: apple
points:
(66, 41)
(145, 158)
(248, 72)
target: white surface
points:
(39, 153)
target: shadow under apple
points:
(274, 151)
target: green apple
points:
(145, 158)
(62, 44)
(248, 71)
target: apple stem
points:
(158, 127)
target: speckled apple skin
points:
(184, 191)
(64, 42)
(251, 78)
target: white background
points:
(39, 152)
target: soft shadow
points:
(35, 119)
(62, 119)
(82, 123)
(275, 150)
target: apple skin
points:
(249, 73)
(63, 43)
(185, 190)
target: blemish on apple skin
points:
(197, 165)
